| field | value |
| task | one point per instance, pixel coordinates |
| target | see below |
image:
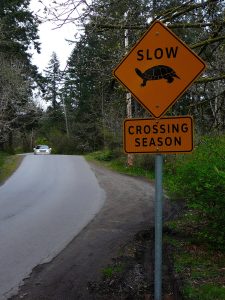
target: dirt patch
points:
(108, 259)
(131, 274)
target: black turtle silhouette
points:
(156, 73)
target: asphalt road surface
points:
(128, 209)
(43, 206)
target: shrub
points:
(145, 161)
(200, 179)
(104, 155)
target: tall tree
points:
(100, 106)
(100, 101)
(18, 28)
(53, 77)
(18, 32)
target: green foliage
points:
(103, 155)
(3, 157)
(199, 268)
(52, 132)
(207, 291)
(117, 161)
(53, 77)
(99, 102)
(145, 162)
(112, 270)
(199, 178)
(58, 141)
(95, 103)
(18, 28)
(42, 141)
(8, 164)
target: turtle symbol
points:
(156, 73)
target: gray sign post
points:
(158, 225)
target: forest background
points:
(86, 106)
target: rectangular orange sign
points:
(165, 135)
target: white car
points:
(42, 149)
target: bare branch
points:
(207, 100)
(187, 9)
(207, 42)
(172, 26)
(211, 79)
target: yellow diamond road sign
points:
(159, 69)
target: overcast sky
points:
(52, 40)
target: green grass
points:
(110, 271)
(119, 164)
(207, 291)
(201, 268)
(198, 266)
(198, 236)
(8, 164)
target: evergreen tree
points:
(53, 77)
(18, 28)
(99, 102)
(100, 105)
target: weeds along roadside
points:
(195, 182)
(8, 164)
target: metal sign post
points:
(157, 71)
(158, 225)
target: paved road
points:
(128, 208)
(43, 206)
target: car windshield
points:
(42, 147)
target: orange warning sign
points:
(158, 69)
(164, 135)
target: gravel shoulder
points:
(128, 209)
